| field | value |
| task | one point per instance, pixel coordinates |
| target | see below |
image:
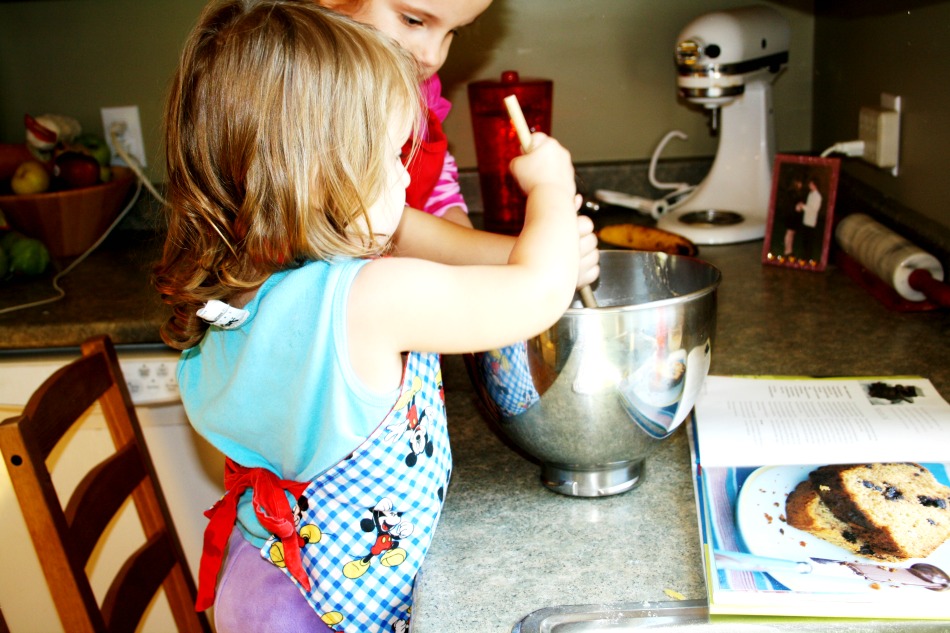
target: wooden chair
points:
(65, 536)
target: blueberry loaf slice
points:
(805, 510)
(899, 511)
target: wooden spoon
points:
(524, 137)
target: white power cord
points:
(60, 293)
(681, 190)
(848, 148)
(141, 179)
(653, 208)
(116, 130)
(678, 186)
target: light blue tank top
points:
(278, 392)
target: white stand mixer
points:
(727, 60)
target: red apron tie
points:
(272, 510)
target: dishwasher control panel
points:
(150, 375)
(151, 380)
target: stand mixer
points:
(726, 62)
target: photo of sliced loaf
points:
(890, 512)
(805, 510)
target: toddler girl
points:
(310, 356)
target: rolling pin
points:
(913, 273)
(524, 137)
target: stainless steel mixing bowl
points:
(592, 396)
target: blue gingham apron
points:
(365, 525)
(506, 375)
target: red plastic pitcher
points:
(496, 143)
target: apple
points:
(74, 170)
(95, 146)
(30, 177)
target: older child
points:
(311, 359)
(426, 28)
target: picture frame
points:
(801, 212)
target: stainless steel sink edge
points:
(692, 616)
(590, 617)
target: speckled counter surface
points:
(107, 293)
(506, 546)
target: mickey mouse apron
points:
(360, 531)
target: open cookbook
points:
(824, 496)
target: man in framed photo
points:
(809, 210)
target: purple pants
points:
(254, 596)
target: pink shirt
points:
(447, 192)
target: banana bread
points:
(899, 511)
(805, 510)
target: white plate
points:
(760, 512)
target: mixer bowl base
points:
(587, 481)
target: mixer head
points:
(727, 61)
(719, 52)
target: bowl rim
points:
(650, 305)
(120, 174)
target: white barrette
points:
(221, 314)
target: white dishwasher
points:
(189, 469)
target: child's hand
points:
(588, 269)
(548, 163)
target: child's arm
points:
(403, 303)
(458, 215)
(424, 236)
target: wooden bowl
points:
(69, 222)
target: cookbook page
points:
(758, 563)
(779, 421)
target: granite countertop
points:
(506, 546)
(108, 293)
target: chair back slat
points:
(99, 497)
(46, 523)
(73, 397)
(135, 584)
(65, 537)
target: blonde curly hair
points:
(276, 140)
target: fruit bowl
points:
(69, 222)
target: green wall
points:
(611, 62)
(614, 77)
(866, 47)
(77, 56)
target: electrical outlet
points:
(879, 128)
(128, 133)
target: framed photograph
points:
(801, 208)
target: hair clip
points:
(222, 315)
